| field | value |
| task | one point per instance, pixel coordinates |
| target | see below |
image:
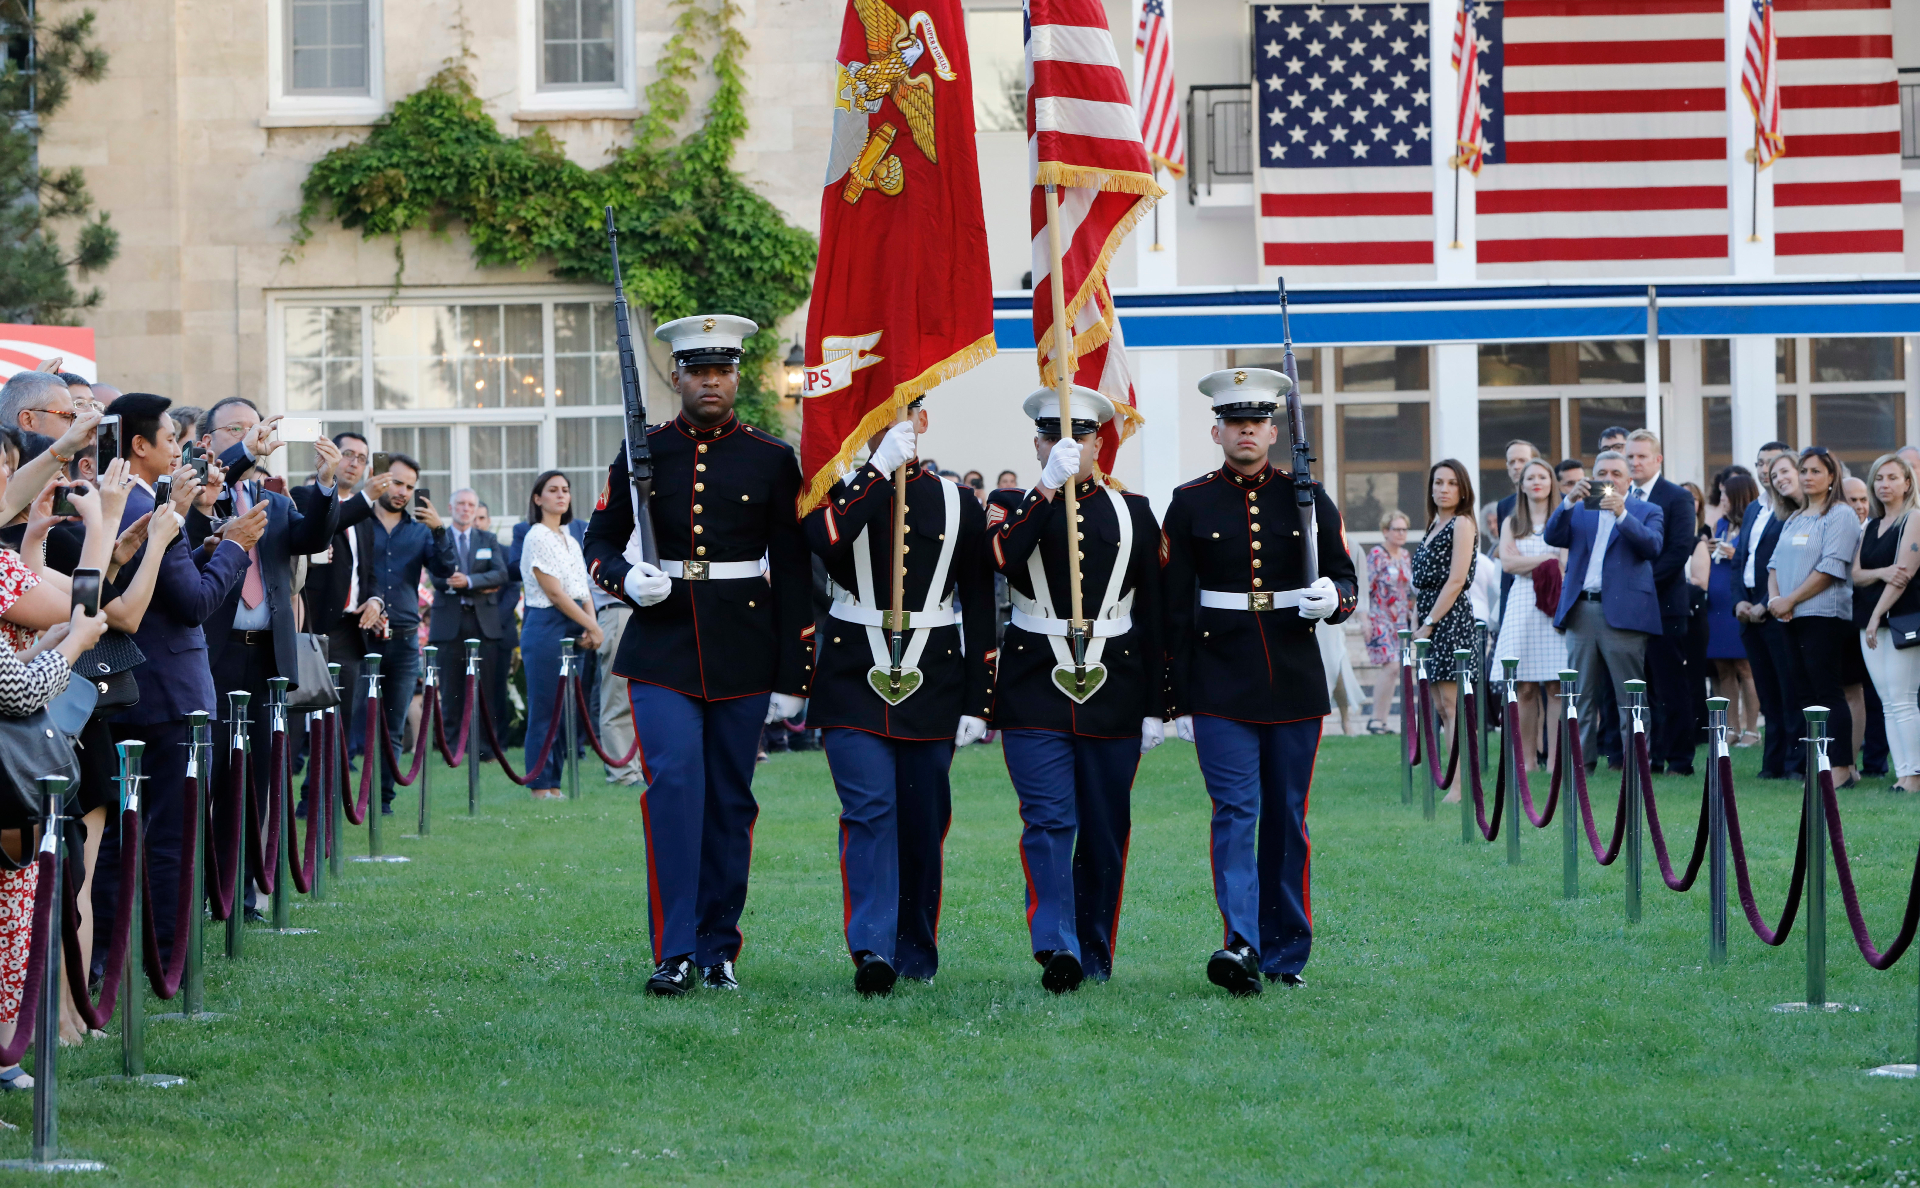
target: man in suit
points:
(176, 679)
(1672, 684)
(250, 635)
(1764, 637)
(466, 605)
(338, 577)
(1607, 620)
(502, 649)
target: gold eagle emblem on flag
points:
(895, 44)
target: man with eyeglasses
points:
(37, 402)
(339, 592)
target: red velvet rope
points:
(37, 947)
(165, 979)
(1653, 822)
(586, 723)
(1844, 869)
(226, 867)
(1797, 882)
(96, 1016)
(1433, 748)
(358, 816)
(1409, 720)
(1466, 721)
(263, 853)
(1604, 856)
(546, 749)
(1515, 748)
(300, 866)
(456, 755)
(429, 702)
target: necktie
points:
(253, 591)
(464, 567)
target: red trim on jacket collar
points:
(1248, 482)
(696, 433)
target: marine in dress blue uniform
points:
(1244, 678)
(1071, 757)
(890, 744)
(716, 648)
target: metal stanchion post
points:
(336, 812)
(473, 735)
(240, 751)
(1421, 716)
(316, 805)
(1516, 755)
(374, 755)
(1484, 668)
(193, 982)
(277, 788)
(431, 659)
(1716, 833)
(1463, 674)
(1569, 728)
(570, 672)
(1816, 895)
(133, 991)
(1409, 725)
(1637, 706)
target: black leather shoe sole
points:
(1230, 974)
(875, 976)
(667, 987)
(1062, 974)
(1291, 981)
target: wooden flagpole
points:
(1754, 235)
(1063, 383)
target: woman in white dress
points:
(559, 600)
(1527, 633)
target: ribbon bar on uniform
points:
(711, 571)
(1255, 600)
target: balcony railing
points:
(1219, 139)
(1909, 115)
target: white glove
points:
(1183, 726)
(1153, 732)
(782, 707)
(1319, 600)
(646, 585)
(971, 730)
(896, 449)
(1062, 464)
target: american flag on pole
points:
(1760, 83)
(1159, 100)
(1083, 137)
(1614, 159)
(1345, 118)
(1469, 132)
(1836, 195)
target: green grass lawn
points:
(476, 1017)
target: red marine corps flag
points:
(901, 295)
(1083, 137)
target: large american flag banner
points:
(1345, 118)
(1615, 154)
(1083, 137)
(1159, 97)
(1836, 193)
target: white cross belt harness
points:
(1256, 600)
(862, 606)
(712, 571)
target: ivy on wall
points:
(694, 237)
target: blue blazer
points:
(176, 678)
(1762, 551)
(293, 529)
(1627, 592)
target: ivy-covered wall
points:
(694, 237)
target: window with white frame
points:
(1848, 394)
(579, 44)
(324, 62)
(485, 393)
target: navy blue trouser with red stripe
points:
(698, 812)
(1258, 777)
(895, 806)
(1076, 799)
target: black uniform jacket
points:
(720, 494)
(1233, 533)
(1025, 696)
(954, 673)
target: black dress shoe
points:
(1237, 971)
(1062, 973)
(875, 976)
(253, 916)
(1677, 769)
(1657, 768)
(1291, 981)
(671, 978)
(386, 810)
(719, 976)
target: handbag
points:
(313, 685)
(1905, 629)
(1546, 587)
(108, 666)
(31, 747)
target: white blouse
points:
(553, 551)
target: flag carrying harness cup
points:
(1115, 616)
(894, 680)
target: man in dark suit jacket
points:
(338, 577)
(176, 678)
(1608, 607)
(1672, 685)
(1764, 636)
(466, 605)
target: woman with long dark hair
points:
(1441, 566)
(1526, 632)
(1711, 570)
(1809, 588)
(559, 607)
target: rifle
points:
(634, 398)
(1303, 483)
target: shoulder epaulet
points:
(1202, 481)
(761, 435)
(653, 429)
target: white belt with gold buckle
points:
(711, 571)
(1253, 600)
